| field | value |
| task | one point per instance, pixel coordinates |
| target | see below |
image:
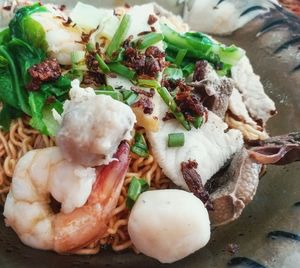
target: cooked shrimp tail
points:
(89, 223)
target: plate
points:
(267, 233)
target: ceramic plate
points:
(268, 232)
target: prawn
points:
(44, 172)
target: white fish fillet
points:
(258, 103)
(238, 108)
(209, 146)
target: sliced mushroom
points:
(241, 181)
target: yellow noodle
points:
(21, 138)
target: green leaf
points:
(5, 36)
(22, 26)
(59, 88)
(24, 57)
(7, 114)
(51, 124)
(42, 118)
(37, 103)
(34, 33)
(200, 46)
(7, 93)
(20, 93)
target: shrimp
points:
(88, 197)
(62, 39)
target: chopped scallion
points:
(108, 88)
(136, 187)
(77, 56)
(149, 39)
(175, 139)
(180, 56)
(90, 47)
(140, 146)
(167, 98)
(197, 122)
(119, 36)
(148, 83)
(122, 70)
(102, 65)
(129, 97)
(173, 73)
(188, 69)
(116, 95)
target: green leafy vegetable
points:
(136, 187)
(7, 114)
(22, 26)
(119, 36)
(148, 83)
(24, 56)
(129, 97)
(42, 118)
(15, 89)
(175, 139)
(200, 46)
(5, 36)
(140, 146)
(180, 56)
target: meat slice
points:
(214, 90)
(238, 117)
(241, 181)
(259, 105)
(210, 146)
(233, 189)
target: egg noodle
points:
(21, 138)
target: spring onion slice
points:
(140, 146)
(119, 36)
(102, 65)
(77, 56)
(122, 70)
(90, 47)
(180, 56)
(167, 98)
(150, 83)
(129, 97)
(136, 187)
(149, 40)
(175, 139)
(188, 69)
(173, 73)
(116, 95)
(197, 122)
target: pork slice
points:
(241, 181)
